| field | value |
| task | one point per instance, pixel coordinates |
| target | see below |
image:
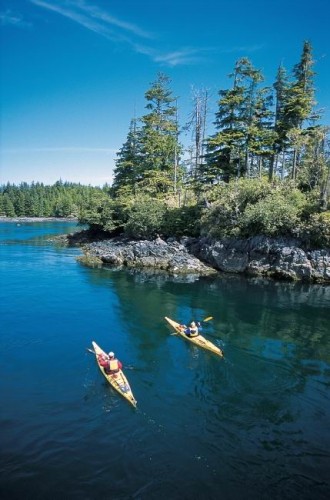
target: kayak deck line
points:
(117, 380)
(199, 340)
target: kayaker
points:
(192, 330)
(110, 364)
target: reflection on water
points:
(255, 423)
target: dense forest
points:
(63, 199)
(264, 170)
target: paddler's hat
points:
(111, 354)
(193, 324)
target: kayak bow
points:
(118, 380)
(199, 340)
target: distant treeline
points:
(63, 199)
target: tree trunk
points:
(272, 167)
(283, 165)
(325, 190)
(294, 164)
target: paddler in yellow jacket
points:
(110, 364)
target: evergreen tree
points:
(240, 122)
(19, 203)
(313, 169)
(223, 149)
(160, 148)
(128, 172)
(299, 102)
(37, 200)
(8, 206)
(281, 86)
(260, 133)
(252, 77)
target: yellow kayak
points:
(199, 340)
(118, 380)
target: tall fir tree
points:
(281, 86)
(299, 103)
(127, 172)
(224, 147)
(160, 149)
(241, 121)
(261, 134)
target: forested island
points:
(264, 173)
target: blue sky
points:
(74, 72)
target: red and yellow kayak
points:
(199, 340)
(118, 380)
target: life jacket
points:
(113, 366)
(193, 332)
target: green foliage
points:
(127, 170)
(243, 124)
(145, 218)
(222, 219)
(253, 139)
(8, 206)
(38, 200)
(241, 208)
(251, 207)
(314, 166)
(148, 160)
(275, 215)
(183, 221)
(315, 231)
(104, 213)
(230, 201)
(155, 183)
(228, 170)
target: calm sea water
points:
(254, 425)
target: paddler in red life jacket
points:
(110, 364)
(192, 330)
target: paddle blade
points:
(208, 318)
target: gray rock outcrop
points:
(280, 258)
(273, 257)
(170, 256)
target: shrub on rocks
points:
(145, 219)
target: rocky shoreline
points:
(159, 255)
(279, 258)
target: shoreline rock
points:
(280, 258)
(277, 258)
(169, 256)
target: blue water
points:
(253, 425)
